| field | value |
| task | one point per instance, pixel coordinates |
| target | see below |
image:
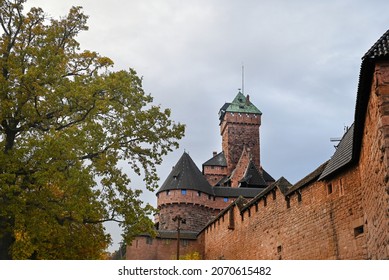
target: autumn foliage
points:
(66, 121)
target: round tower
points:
(185, 193)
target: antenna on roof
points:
(242, 78)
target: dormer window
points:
(175, 176)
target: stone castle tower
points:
(239, 128)
(236, 171)
(186, 193)
(239, 164)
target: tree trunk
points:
(6, 239)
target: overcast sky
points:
(301, 61)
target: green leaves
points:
(66, 122)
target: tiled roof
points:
(236, 192)
(268, 178)
(380, 48)
(342, 156)
(240, 104)
(348, 151)
(253, 177)
(379, 51)
(218, 160)
(186, 175)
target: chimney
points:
(248, 99)
(214, 153)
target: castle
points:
(233, 209)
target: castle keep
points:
(233, 209)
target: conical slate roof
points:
(186, 175)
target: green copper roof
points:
(242, 104)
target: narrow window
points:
(299, 197)
(265, 201)
(231, 222)
(287, 202)
(256, 207)
(279, 249)
(167, 192)
(358, 231)
(183, 192)
(341, 188)
(198, 193)
(329, 188)
(274, 194)
(225, 199)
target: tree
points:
(66, 122)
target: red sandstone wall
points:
(196, 207)
(196, 216)
(214, 174)
(143, 248)
(320, 226)
(351, 222)
(374, 164)
(191, 197)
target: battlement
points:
(339, 211)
